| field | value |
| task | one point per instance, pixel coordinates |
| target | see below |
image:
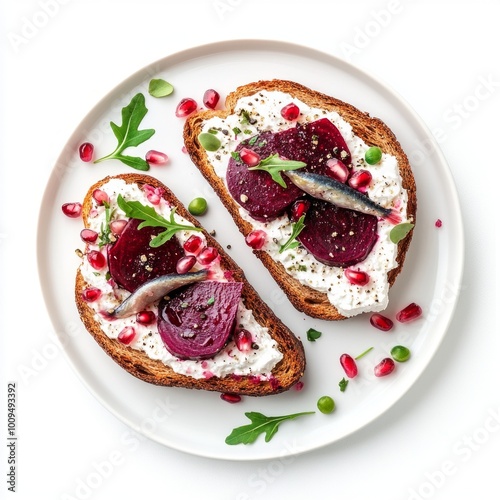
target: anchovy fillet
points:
(154, 290)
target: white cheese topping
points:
(230, 361)
(385, 189)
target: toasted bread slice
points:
(284, 374)
(371, 130)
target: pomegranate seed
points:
(299, 385)
(381, 322)
(339, 171)
(256, 239)
(186, 107)
(96, 259)
(360, 179)
(211, 98)
(243, 340)
(72, 210)
(91, 294)
(193, 245)
(117, 226)
(207, 256)
(184, 264)
(385, 367)
(359, 278)
(88, 235)
(290, 112)
(349, 365)
(230, 398)
(156, 157)
(145, 317)
(86, 151)
(439, 223)
(409, 313)
(100, 196)
(126, 336)
(299, 208)
(251, 158)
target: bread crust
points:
(286, 373)
(372, 130)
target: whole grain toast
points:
(285, 374)
(372, 130)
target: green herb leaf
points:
(274, 165)
(247, 434)
(400, 231)
(364, 353)
(209, 141)
(291, 243)
(160, 88)
(313, 335)
(343, 384)
(129, 135)
(105, 234)
(151, 218)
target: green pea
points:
(198, 206)
(325, 404)
(400, 353)
(373, 155)
(209, 141)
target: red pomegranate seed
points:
(359, 278)
(409, 313)
(349, 365)
(86, 151)
(186, 107)
(211, 98)
(230, 398)
(290, 112)
(381, 322)
(100, 196)
(439, 223)
(193, 245)
(184, 264)
(207, 256)
(243, 340)
(299, 385)
(385, 367)
(72, 210)
(156, 157)
(88, 235)
(256, 239)
(91, 294)
(126, 336)
(299, 208)
(339, 171)
(251, 158)
(96, 259)
(117, 226)
(360, 179)
(145, 317)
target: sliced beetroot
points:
(197, 321)
(132, 261)
(337, 236)
(313, 143)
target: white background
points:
(60, 57)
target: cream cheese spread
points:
(230, 361)
(386, 188)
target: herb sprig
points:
(150, 218)
(247, 434)
(297, 228)
(129, 135)
(274, 165)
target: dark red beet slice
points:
(197, 320)
(313, 143)
(132, 261)
(337, 236)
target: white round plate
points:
(198, 422)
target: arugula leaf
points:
(291, 243)
(247, 434)
(274, 165)
(151, 218)
(129, 135)
(343, 384)
(313, 335)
